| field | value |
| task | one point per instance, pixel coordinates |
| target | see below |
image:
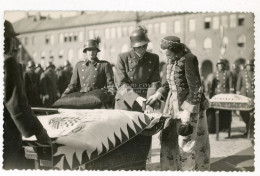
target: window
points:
(207, 43)
(52, 39)
(96, 33)
(192, 25)
(241, 20)
(66, 38)
(192, 44)
(163, 28)
(156, 28)
(232, 19)
(43, 55)
(125, 33)
(51, 56)
(33, 40)
(47, 39)
(177, 26)
(113, 33)
(241, 41)
(61, 38)
(119, 32)
(34, 55)
(70, 54)
(215, 22)
(224, 21)
(61, 53)
(207, 23)
(124, 48)
(150, 28)
(150, 47)
(75, 37)
(225, 40)
(80, 54)
(107, 33)
(131, 29)
(81, 37)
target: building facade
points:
(208, 35)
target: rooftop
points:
(32, 24)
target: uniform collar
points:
(94, 61)
(135, 57)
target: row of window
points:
(157, 28)
(207, 43)
(216, 21)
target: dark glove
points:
(43, 138)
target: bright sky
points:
(13, 16)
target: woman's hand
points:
(151, 100)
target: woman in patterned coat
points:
(184, 139)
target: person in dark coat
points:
(48, 83)
(138, 77)
(64, 77)
(31, 85)
(137, 73)
(61, 84)
(222, 84)
(18, 117)
(246, 86)
(91, 73)
(235, 73)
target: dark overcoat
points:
(136, 77)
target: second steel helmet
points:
(30, 64)
(139, 37)
(92, 44)
(221, 61)
(250, 62)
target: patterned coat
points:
(187, 79)
(246, 84)
(136, 77)
(90, 75)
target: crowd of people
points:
(44, 86)
(136, 82)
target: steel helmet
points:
(30, 64)
(250, 62)
(139, 37)
(92, 44)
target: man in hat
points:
(48, 83)
(222, 84)
(31, 85)
(18, 117)
(137, 73)
(64, 76)
(91, 73)
(138, 77)
(245, 86)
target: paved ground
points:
(228, 154)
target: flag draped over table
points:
(84, 135)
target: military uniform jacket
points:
(17, 113)
(222, 83)
(90, 75)
(245, 84)
(188, 84)
(136, 77)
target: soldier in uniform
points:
(91, 73)
(138, 77)
(18, 117)
(245, 86)
(222, 84)
(48, 83)
(235, 72)
(137, 73)
(31, 85)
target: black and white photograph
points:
(90, 90)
